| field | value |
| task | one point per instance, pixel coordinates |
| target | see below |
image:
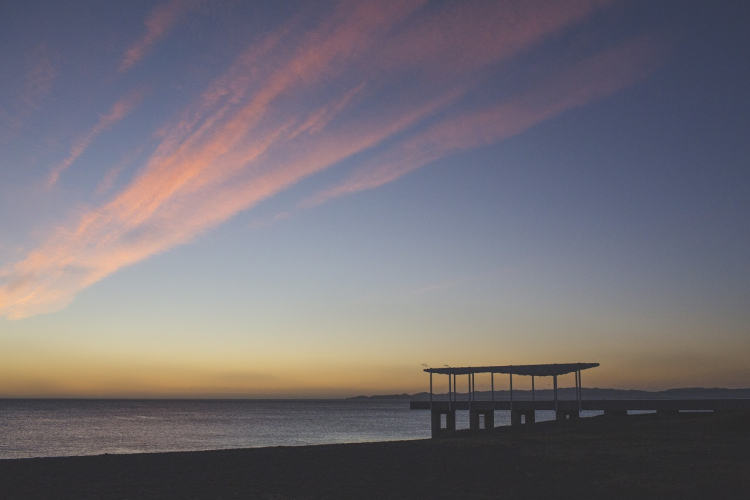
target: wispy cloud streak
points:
(117, 112)
(585, 82)
(296, 103)
(39, 78)
(158, 23)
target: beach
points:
(691, 455)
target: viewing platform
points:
(482, 411)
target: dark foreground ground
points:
(644, 456)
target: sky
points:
(315, 199)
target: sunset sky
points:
(312, 199)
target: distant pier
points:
(482, 412)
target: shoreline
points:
(639, 456)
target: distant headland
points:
(593, 393)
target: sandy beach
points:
(639, 456)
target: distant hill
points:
(390, 396)
(588, 393)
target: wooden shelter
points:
(480, 412)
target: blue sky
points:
(239, 200)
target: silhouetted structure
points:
(482, 412)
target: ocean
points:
(68, 427)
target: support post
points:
(580, 389)
(515, 418)
(430, 391)
(554, 380)
(533, 397)
(435, 424)
(450, 403)
(450, 421)
(566, 414)
(511, 392)
(492, 382)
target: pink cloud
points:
(587, 81)
(209, 166)
(297, 103)
(469, 35)
(158, 23)
(117, 112)
(108, 181)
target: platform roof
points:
(530, 370)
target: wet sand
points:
(634, 457)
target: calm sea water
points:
(46, 428)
